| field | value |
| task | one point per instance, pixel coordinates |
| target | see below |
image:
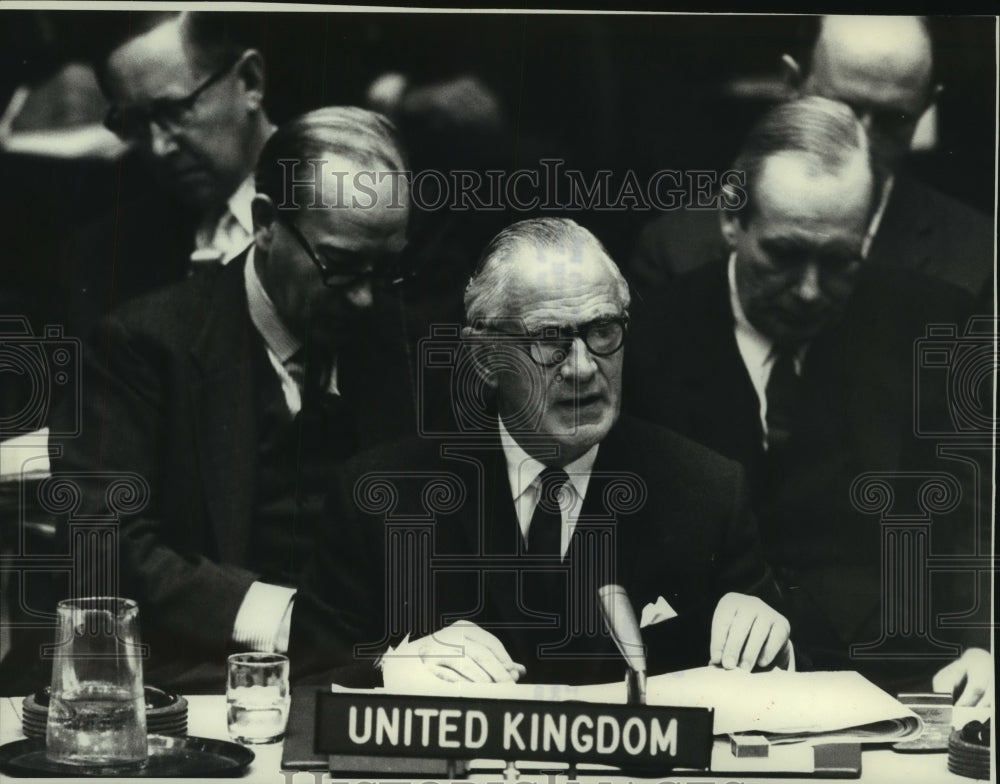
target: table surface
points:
(207, 718)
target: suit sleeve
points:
(185, 596)
(742, 567)
(339, 620)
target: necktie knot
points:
(550, 485)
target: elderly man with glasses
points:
(478, 555)
(231, 394)
(186, 92)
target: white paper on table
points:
(774, 702)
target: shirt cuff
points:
(264, 618)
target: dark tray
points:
(201, 758)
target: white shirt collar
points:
(522, 474)
(278, 339)
(523, 469)
(222, 237)
(239, 204)
(280, 344)
(751, 340)
(877, 217)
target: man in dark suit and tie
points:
(231, 394)
(479, 556)
(881, 67)
(796, 357)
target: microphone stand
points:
(616, 609)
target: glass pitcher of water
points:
(97, 710)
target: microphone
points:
(620, 619)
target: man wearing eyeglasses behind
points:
(546, 496)
(186, 91)
(234, 392)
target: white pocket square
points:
(656, 612)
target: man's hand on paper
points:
(969, 679)
(461, 652)
(748, 633)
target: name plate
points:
(626, 736)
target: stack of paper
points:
(785, 705)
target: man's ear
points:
(729, 223)
(265, 218)
(250, 70)
(791, 74)
(477, 350)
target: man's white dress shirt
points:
(523, 472)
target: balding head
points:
(882, 67)
(797, 244)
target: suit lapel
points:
(225, 408)
(716, 380)
(502, 534)
(616, 478)
(867, 373)
(375, 378)
(902, 241)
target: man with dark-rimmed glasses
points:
(234, 393)
(545, 496)
(186, 92)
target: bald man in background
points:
(883, 68)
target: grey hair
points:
(486, 293)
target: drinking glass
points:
(257, 697)
(97, 709)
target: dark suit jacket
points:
(856, 416)
(143, 244)
(662, 517)
(922, 230)
(168, 393)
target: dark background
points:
(640, 92)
